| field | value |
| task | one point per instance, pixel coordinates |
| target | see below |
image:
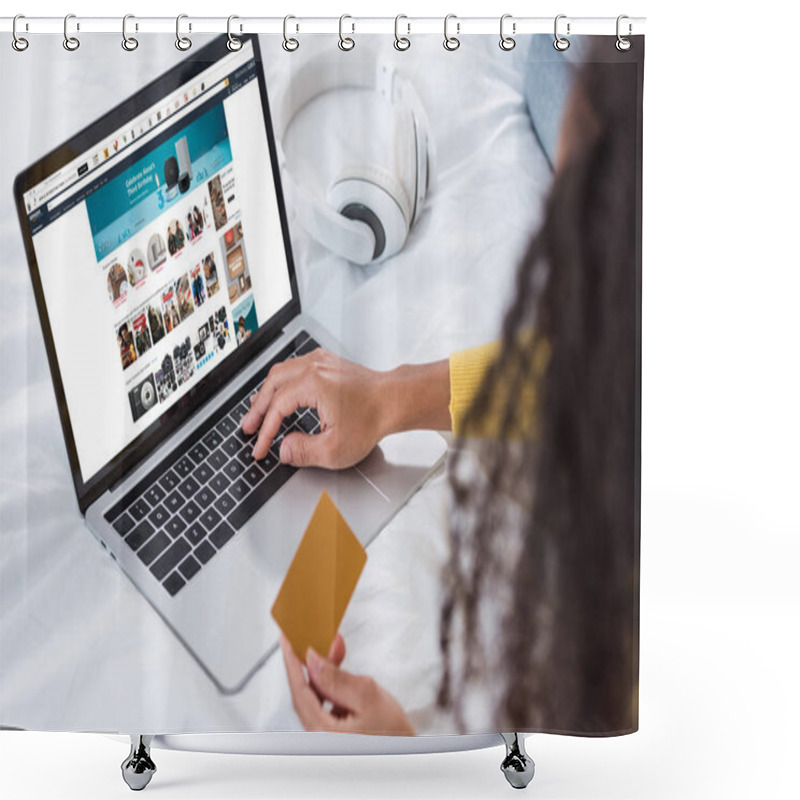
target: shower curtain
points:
(459, 228)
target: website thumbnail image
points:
(174, 366)
(195, 313)
(174, 288)
(188, 323)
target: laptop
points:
(162, 268)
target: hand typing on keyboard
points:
(356, 407)
(346, 397)
(313, 408)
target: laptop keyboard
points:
(192, 504)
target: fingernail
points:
(313, 661)
(286, 452)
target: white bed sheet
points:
(80, 649)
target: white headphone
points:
(370, 209)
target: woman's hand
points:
(356, 407)
(357, 703)
(348, 401)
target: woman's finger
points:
(305, 701)
(340, 687)
(336, 656)
(286, 399)
(307, 450)
(338, 650)
(280, 374)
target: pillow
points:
(548, 79)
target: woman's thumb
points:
(304, 450)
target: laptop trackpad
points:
(272, 536)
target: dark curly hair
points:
(560, 561)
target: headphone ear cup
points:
(374, 197)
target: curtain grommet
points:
(19, 43)
(129, 43)
(234, 44)
(71, 43)
(507, 43)
(561, 43)
(346, 43)
(289, 44)
(401, 43)
(183, 43)
(623, 44)
(451, 43)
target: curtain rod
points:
(408, 26)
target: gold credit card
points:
(320, 581)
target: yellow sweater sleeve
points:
(467, 371)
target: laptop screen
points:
(160, 252)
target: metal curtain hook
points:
(451, 42)
(289, 44)
(234, 43)
(19, 43)
(401, 42)
(183, 43)
(346, 42)
(507, 42)
(561, 43)
(129, 43)
(70, 42)
(623, 44)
